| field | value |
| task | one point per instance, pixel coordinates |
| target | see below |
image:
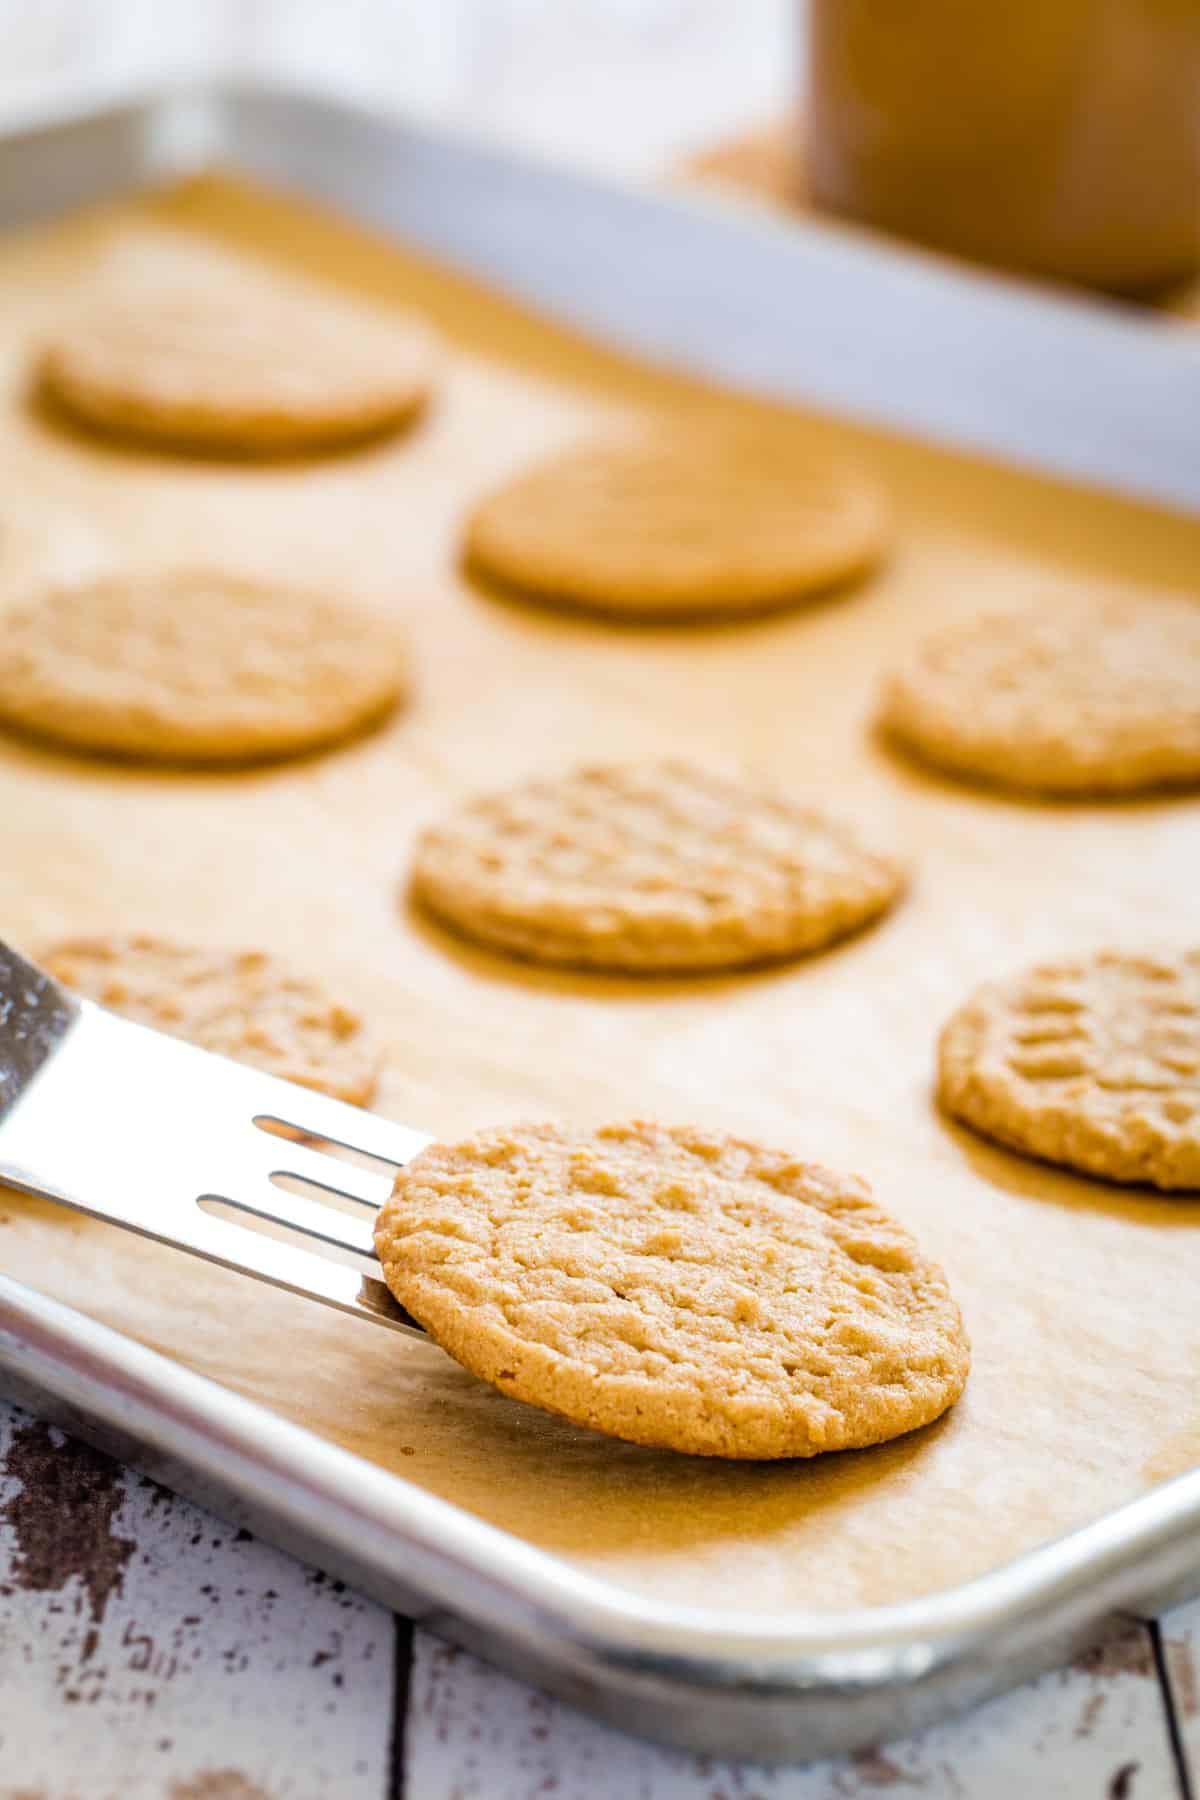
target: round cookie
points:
(195, 666)
(678, 523)
(241, 370)
(1092, 1062)
(1080, 696)
(650, 868)
(241, 1004)
(674, 1287)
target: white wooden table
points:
(150, 1652)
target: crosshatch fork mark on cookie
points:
(652, 867)
(1092, 1062)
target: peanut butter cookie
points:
(1080, 696)
(236, 365)
(195, 666)
(654, 868)
(1092, 1062)
(677, 524)
(242, 1004)
(674, 1287)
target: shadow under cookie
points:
(1032, 1177)
(538, 1475)
(924, 773)
(56, 420)
(653, 619)
(493, 963)
(46, 748)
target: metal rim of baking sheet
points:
(1066, 386)
(825, 315)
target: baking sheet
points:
(1079, 1299)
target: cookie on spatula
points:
(674, 1287)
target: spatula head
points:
(205, 1154)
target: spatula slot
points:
(295, 1219)
(347, 1133)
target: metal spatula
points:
(147, 1132)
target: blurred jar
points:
(1058, 137)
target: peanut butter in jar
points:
(1056, 137)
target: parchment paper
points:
(1081, 1300)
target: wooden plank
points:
(1096, 1729)
(150, 1652)
(1180, 1640)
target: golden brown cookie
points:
(242, 1004)
(678, 523)
(1092, 1062)
(1079, 695)
(195, 666)
(674, 1287)
(235, 365)
(650, 868)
